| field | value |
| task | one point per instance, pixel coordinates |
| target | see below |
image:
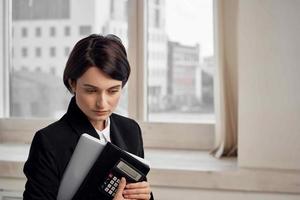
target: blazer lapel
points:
(78, 120)
(115, 135)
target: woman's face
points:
(97, 95)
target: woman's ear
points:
(72, 84)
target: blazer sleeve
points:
(140, 149)
(41, 170)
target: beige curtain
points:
(226, 81)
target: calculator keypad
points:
(111, 184)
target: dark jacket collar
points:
(116, 135)
(80, 123)
(78, 120)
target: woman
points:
(95, 74)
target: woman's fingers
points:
(142, 184)
(121, 187)
(137, 196)
(140, 190)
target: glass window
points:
(157, 18)
(24, 32)
(53, 70)
(52, 51)
(40, 10)
(34, 108)
(38, 69)
(180, 63)
(38, 32)
(85, 30)
(52, 31)
(38, 52)
(67, 51)
(67, 31)
(24, 52)
(39, 91)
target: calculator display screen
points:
(129, 170)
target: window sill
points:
(194, 169)
(200, 170)
(155, 135)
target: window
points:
(52, 31)
(85, 30)
(67, 51)
(38, 32)
(53, 70)
(156, 18)
(41, 10)
(171, 80)
(29, 89)
(38, 69)
(24, 52)
(38, 52)
(177, 92)
(52, 51)
(24, 32)
(67, 31)
(34, 107)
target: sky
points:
(190, 22)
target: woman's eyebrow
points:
(89, 85)
(112, 87)
(115, 87)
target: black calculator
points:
(121, 169)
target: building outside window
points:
(52, 51)
(24, 32)
(38, 32)
(177, 64)
(85, 30)
(177, 92)
(38, 52)
(53, 70)
(24, 52)
(52, 31)
(67, 31)
(67, 51)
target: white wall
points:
(269, 84)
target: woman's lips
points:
(100, 112)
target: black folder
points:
(103, 178)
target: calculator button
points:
(116, 185)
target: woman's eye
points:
(90, 90)
(113, 91)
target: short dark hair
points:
(105, 52)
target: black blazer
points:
(52, 147)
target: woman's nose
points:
(101, 101)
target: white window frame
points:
(156, 135)
(5, 7)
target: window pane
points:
(44, 34)
(180, 61)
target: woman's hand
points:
(133, 191)
(139, 190)
(121, 187)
